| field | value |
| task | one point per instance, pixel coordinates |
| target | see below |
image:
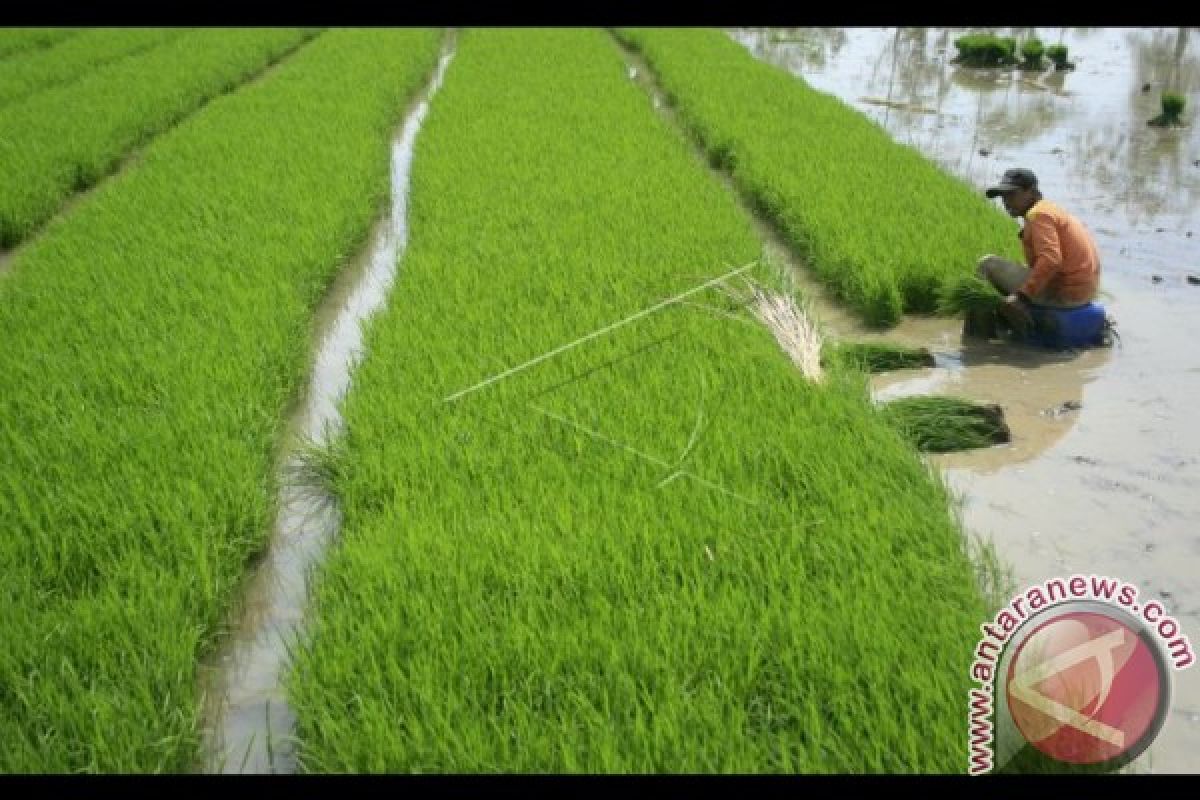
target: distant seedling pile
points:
(1172, 110)
(989, 50)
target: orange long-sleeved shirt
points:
(1061, 254)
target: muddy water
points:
(1114, 486)
(247, 721)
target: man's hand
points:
(1014, 311)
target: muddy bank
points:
(248, 724)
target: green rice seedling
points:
(995, 577)
(14, 41)
(1032, 51)
(660, 549)
(74, 58)
(977, 301)
(876, 356)
(967, 294)
(153, 339)
(880, 224)
(985, 50)
(1173, 104)
(1057, 53)
(47, 153)
(938, 424)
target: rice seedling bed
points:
(660, 550)
(63, 140)
(74, 58)
(876, 220)
(152, 341)
(14, 41)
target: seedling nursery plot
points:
(661, 550)
(21, 40)
(75, 58)
(881, 224)
(64, 139)
(593, 516)
(152, 339)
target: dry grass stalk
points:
(792, 327)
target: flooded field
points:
(1103, 474)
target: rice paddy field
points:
(595, 512)
(882, 225)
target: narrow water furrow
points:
(248, 724)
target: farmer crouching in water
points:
(1063, 263)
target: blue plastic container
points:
(1059, 328)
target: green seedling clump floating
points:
(947, 424)
(986, 50)
(661, 550)
(877, 221)
(966, 294)
(876, 356)
(153, 339)
(1173, 104)
(1032, 51)
(1057, 53)
(65, 139)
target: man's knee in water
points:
(984, 266)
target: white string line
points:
(640, 454)
(594, 334)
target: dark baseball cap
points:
(1019, 178)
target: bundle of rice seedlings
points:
(1173, 104)
(1058, 54)
(977, 301)
(968, 293)
(947, 424)
(1032, 51)
(876, 356)
(985, 50)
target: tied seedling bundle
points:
(947, 424)
(876, 356)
